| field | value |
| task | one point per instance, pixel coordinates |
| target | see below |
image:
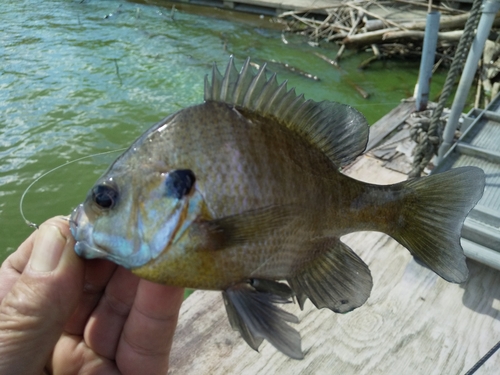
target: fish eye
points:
(104, 196)
(179, 182)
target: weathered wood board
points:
(413, 323)
(383, 127)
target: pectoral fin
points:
(337, 278)
(249, 226)
(252, 311)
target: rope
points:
(484, 359)
(428, 141)
(428, 137)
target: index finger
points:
(146, 339)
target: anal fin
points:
(337, 278)
(251, 309)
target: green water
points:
(74, 83)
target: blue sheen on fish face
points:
(144, 223)
(83, 250)
(90, 243)
(119, 249)
(86, 251)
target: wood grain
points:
(413, 323)
(387, 124)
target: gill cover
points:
(132, 226)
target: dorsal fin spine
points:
(227, 81)
(336, 129)
(280, 89)
(267, 91)
(284, 106)
(258, 82)
(295, 109)
(216, 83)
(244, 80)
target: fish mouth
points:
(82, 230)
(76, 221)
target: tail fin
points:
(433, 212)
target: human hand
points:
(68, 315)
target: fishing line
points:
(30, 223)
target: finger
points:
(14, 265)
(98, 272)
(146, 340)
(33, 312)
(72, 356)
(107, 320)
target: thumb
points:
(34, 311)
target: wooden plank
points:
(389, 123)
(413, 323)
(369, 169)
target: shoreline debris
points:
(389, 29)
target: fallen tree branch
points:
(425, 5)
(374, 15)
(449, 36)
(389, 35)
(371, 37)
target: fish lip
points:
(81, 230)
(74, 219)
(86, 251)
(79, 224)
(79, 227)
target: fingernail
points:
(47, 249)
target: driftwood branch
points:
(374, 15)
(371, 37)
(355, 24)
(449, 22)
(381, 26)
(389, 35)
(449, 36)
(433, 6)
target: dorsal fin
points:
(339, 130)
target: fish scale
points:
(243, 193)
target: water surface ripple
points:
(74, 83)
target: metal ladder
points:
(479, 146)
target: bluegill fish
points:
(243, 193)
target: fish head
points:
(131, 218)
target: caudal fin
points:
(432, 214)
